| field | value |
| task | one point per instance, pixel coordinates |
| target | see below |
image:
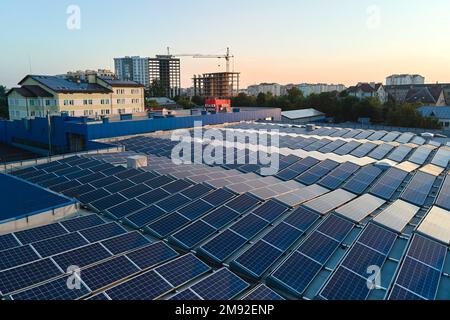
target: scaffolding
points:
(218, 85)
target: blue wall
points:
(36, 131)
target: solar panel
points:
(295, 274)
(223, 245)
(270, 210)
(159, 182)
(153, 196)
(17, 256)
(249, 226)
(81, 257)
(125, 208)
(147, 286)
(221, 217)
(443, 199)
(135, 191)
(152, 255)
(142, 177)
(389, 183)
(91, 177)
(53, 182)
(420, 155)
(302, 218)
(419, 188)
(40, 233)
(101, 183)
(347, 148)
(173, 202)
(378, 238)
(364, 149)
(263, 293)
(102, 232)
(317, 172)
(166, 225)
(360, 258)
(338, 287)
(283, 236)
(107, 202)
(400, 153)
(401, 294)
(50, 247)
(335, 227)
(22, 277)
(297, 168)
(194, 234)
(442, 157)
(221, 285)
(427, 251)
(332, 146)
(257, 259)
(381, 151)
(119, 186)
(319, 247)
(108, 272)
(65, 186)
(8, 241)
(218, 197)
(333, 180)
(93, 196)
(182, 270)
(56, 290)
(196, 209)
(125, 242)
(362, 180)
(128, 173)
(145, 216)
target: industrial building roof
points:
(436, 112)
(63, 85)
(301, 114)
(313, 230)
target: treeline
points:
(343, 108)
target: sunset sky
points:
(284, 41)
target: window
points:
(32, 102)
(85, 102)
(47, 102)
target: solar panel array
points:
(225, 232)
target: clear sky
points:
(285, 41)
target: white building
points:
(404, 79)
(308, 89)
(273, 88)
(369, 90)
(133, 69)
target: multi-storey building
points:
(404, 79)
(167, 70)
(133, 69)
(39, 96)
(273, 88)
(369, 90)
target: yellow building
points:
(42, 95)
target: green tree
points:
(198, 101)
(3, 103)
(157, 89)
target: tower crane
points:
(226, 56)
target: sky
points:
(284, 41)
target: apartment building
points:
(40, 95)
(369, 90)
(133, 69)
(273, 88)
(404, 79)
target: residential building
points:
(217, 85)
(273, 88)
(428, 94)
(442, 114)
(404, 79)
(83, 75)
(167, 70)
(133, 69)
(369, 90)
(40, 95)
(302, 116)
(308, 89)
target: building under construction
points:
(219, 84)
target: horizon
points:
(285, 42)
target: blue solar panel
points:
(360, 258)
(257, 259)
(65, 186)
(185, 295)
(302, 218)
(297, 168)
(125, 242)
(347, 148)
(419, 278)
(101, 183)
(332, 146)
(142, 177)
(173, 202)
(159, 181)
(419, 188)
(296, 273)
(221, 217)
(81, 257)
(53, 182)
(196, 209)
(99, 297)
(443, 199)
(317, 172)
(147, 286)
(17, 256)
(378, 238)
(428, 252)
(108, 272)
(8, 241)
(333, 180)
(345, 285)
(91, 177)
(135, 191)
(50, 247)
(319, 247)
(22, 277)
(182, 270)
(196, 191)
(153, 196)
(167, 225)
(221, 285)
(40, 233)
(125, 208)
(362, 180)
(84, 222)
(336, 227)
(93, 196)
(249, 226)
(103, 231)
(129, 173)
(194, 234)
(218, 197)
(223, 245)
(144, 216)
(401, 294)
(389, 183)
(263, 293)
(381, 152)
(177, 186)
(107, 202)
(283, 236)
(152, 255)
(243, 203)
(56, 290)
(119, 186)
(270, 211)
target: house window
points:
(47, 102)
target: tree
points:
(157, 89)
(3, 103)
(198, 101)
(295, 96)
